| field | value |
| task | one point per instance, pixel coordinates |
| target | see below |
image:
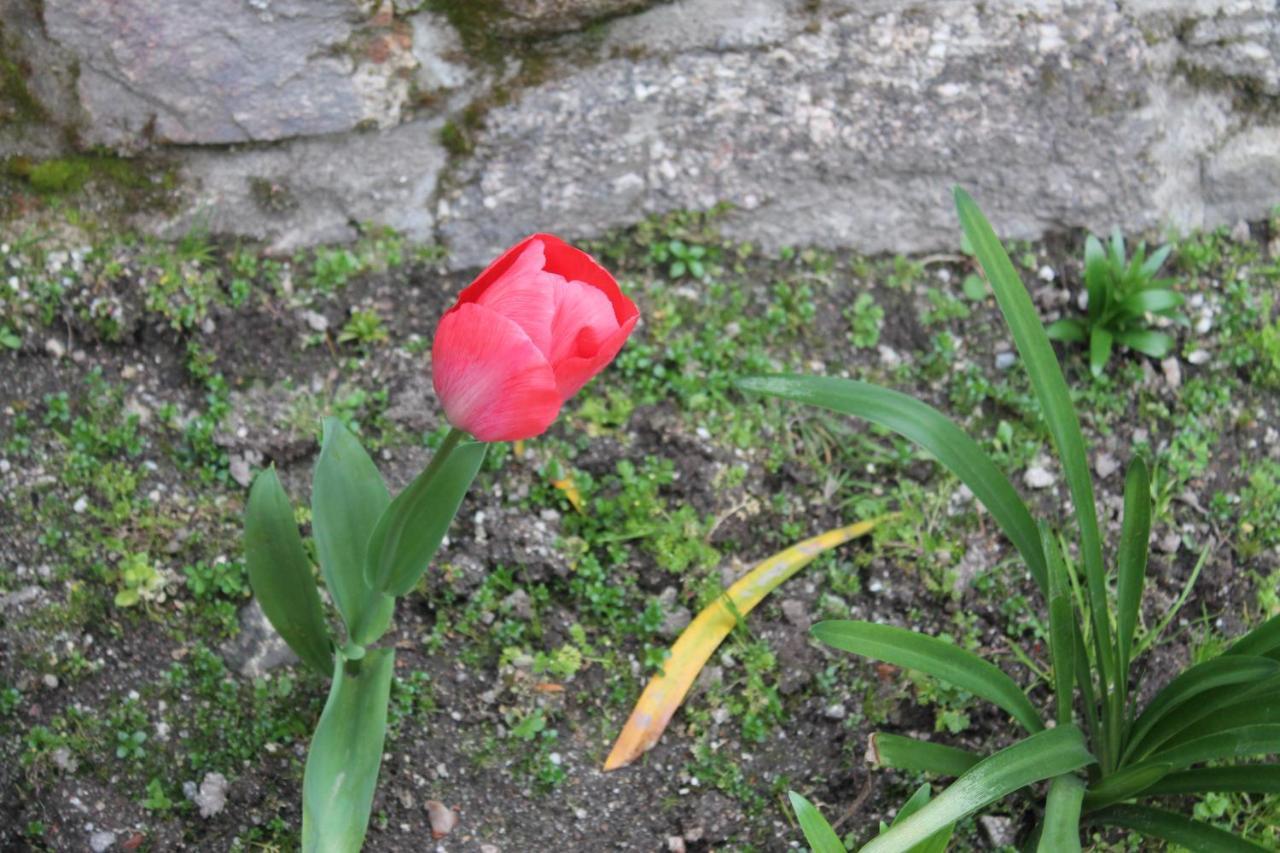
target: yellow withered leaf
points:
(699, 641)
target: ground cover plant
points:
(144, 382)
(1104, 748)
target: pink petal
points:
(573, 373)
(490, 377)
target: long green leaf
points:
(1131, 560)
(1203, 716)
(1174, 828)
(345, 755)
(347, 499)
(1055, 401)
(925, 426)
(413, 526)
(935, 657)
(821, 837)
(1262, 640)
(1061, 830)
(1095, 276)
(1243, 778)
(1263, 739)
(905, 753)
(1041, 756)
(1124, 784)
(1154, 301)
(280, 573)
(1222, 671)
(1099, 349)
(936, 843)
(1062, 627)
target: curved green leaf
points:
(1055, 401)
(935, 657)
(413, 526)
(1174, 828)
(1124, 784)
(925, 426)
(345, 755)
(1194, 719)
(821, 837)
(347, 499)
(1061, 830)
(1068, 329)
(1146, 341)
(1233, 743)
(1152, 265)
(280, 573)
(905, 753)
(1041, 756)
(1096, 276)
(1243, 778)
(1131, 559)
(1155, 301)
(1222, 671)
(1262, 640)
(936, 843)
(1099, 349)
(1062, 627)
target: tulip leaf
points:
(1125, 784)
(1061, 830)
(346, 754)
(905, 753)
(1174, 828)
(922, 424)
(932, 656)
(347, 499)
(666, 690)
(1044, 755)
(1062, 627)
(821, 837)
(936, 843)
(1206, 714)
(1262, 640)
(1259, 739)
(1147, 342)
(280, 573)
(413, 526)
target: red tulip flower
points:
(530, 331)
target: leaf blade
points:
(935, 657)
(1061, 831)
(1131, 559)
(345, 756)
(1167, 826)
(905, 753)
(699, 640)
(280, 573)
(412, 527)
(928, 428)
(821, 837)
(1049, 753)
(347, 499)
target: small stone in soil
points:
(443, 819)
(1037, 477)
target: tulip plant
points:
(530, 331)
(1100, 749)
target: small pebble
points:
(1198, 357)
(443, 819)
(1037, 477)
(1105, 465)
(55, 348)
(1005, 360)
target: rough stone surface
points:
(843, 123)
(312, 190)
(209, 72)
(852, 131)
(257, 649)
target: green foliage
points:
(139, 581)
(364, 327)
(1206, 714)
(866, 319)
(1121, 293)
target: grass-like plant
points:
(1121, 294)
(1099, 751)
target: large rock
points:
(851, 132)
(218, 71)
(841, 123)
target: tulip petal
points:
(573, 373)
(490, 377)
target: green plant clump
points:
(1121, 294)
(1102, 752)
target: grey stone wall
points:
(839, 122)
